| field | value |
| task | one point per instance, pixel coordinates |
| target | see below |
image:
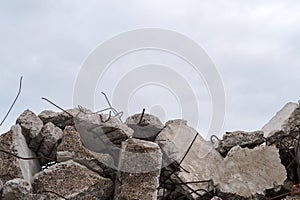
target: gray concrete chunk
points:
(30, 123)
(20, 189)
(16, 189)
(45, 142)
(11, 167)
(147, 119)
(73, 181)
(285, 119)
(71, 148)
(97, 135)
(60, 119)
(241, 138)
(139, 170)
(147, 129)
(1, 185)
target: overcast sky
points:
(255, 46)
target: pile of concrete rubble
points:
(78, 154)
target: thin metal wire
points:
(188, 150)
(116, 113)
(104, 121)
(212, 139)
(59, 195)
(57, 106)
(23, 158)
(12, 105)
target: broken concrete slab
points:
(180, 134)
(235, 174)
(287, 120)
(101, 136)
(60, 119)
(30, 123)
(146, 120)
(200, 162)
(139, 170)
(71, 148)
(147, 128)
(73, 181)
(44, 144)
(63, 118)
(11, 167)
(147, 132)
(241, 138)
(168, 148)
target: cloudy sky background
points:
(254, 44)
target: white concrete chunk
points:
(201, 160)
(246, 172)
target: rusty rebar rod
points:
(12, 105)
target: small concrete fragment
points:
(139, 170)
(71, 148)
(46, 141)
(241, 138)
(16, 189)
(147, 128)
(73, 181)
(30, 123)
(246, 172)
(19, 189)
(60, 119)
(287, 120)
(11, 167)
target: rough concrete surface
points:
(30, 123)
(71, 148)
(73, 181)
(11, 167)
(139, 170)
(282, 119)
(241, 138)
(247, 172)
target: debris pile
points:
(80, 154)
